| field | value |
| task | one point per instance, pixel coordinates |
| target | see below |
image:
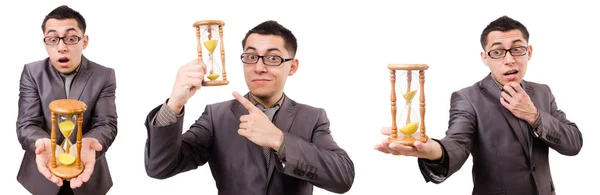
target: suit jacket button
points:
(533, 169)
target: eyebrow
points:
(499, 43)
(268, 50)
(53, 31)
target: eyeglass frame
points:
(507, 51)
(263, 59)
(62, 38)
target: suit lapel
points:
(80, 79)
(285, 116)
(283, 121)
(492, 91)
(255, 150)
(56, 82)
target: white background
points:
(344, 49)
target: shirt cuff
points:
(437, 170)
(536, 126)
(281, 152)
(165, 116)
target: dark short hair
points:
(503, 24)
(271, 27)
(64, 12)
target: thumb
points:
(96, 145)
(386, 130)
(40, 147)
(421, 147)
(243, 132)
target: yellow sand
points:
(213, 76)
(410, 95)
(66, 127)
(66, 159)
(409, 128)
(210, 45)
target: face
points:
(267, 81)
(511, 67)
(64, 54)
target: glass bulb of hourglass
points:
(408, 121)
(211, 42)
(66, 127)
(408, 86)
(213, 69)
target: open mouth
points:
(511, 72)
(63, 60)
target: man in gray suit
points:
(261, 143)
(506, 123)
(66, 73)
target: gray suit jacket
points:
(508, 157)
(312, 157)
(41, 84)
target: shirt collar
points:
(279, 102)
(70, 74)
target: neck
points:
(72, 72)
(267, 102)
(500, 85)
(497, 83)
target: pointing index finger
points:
(245, 102)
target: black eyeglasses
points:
(68, 40)
(500, 53)
(270, 60)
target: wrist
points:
(278, 141)
(436, 153)
(174, 106)
(533, 117)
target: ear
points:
(529, 52)
(484, 57)
(294, 67)
(85, 41)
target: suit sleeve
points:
(104, 115)
(30, 119)
(457, 143)
(168, 152)
(557, 131)
(435, 171)
(321, 162)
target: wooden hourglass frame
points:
(408, 140)
(68, 108)
(212, 79)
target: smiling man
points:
(506, 123)
(66, 73)
(260, 143)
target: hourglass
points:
(210, 38)
(66, 114)
(409, 121)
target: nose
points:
(509, 59)
(260, 67)
(61, 47)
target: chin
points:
(260, 94)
